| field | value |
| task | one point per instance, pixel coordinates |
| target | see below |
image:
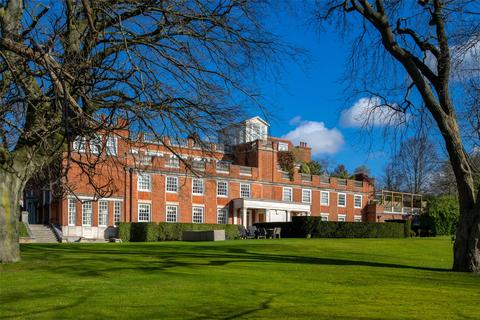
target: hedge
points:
(167, 231)
(22, 230)
(124, 231)
(305, 227)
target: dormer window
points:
(282, 146)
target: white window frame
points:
(80, 144)
(96, 145)
(102, 213)
(224, 189)
(173, 162)
(324, 216)
(357, 218)
(141, 211)
(142, 185)
(338, 200)
(328, 198)
(244, 193)
(342, 218)
(169, 213)
(309, 192)
(222, 215)
(355, 198)
(290, 199)
(72, 212)
(170, 186)
(117, 212)
(282, 146)
(195, 211)
(200, 188)
(87, 213)
(111, 146)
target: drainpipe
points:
(131, 193)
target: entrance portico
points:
(255, 210)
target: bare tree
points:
(419, 45)
(392, 178)
(416, 160)
(72, 69)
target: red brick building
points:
(237, 181)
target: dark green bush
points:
(144, 232)
(442, 215)
(167, 231)
(22, 230)
(124, 231)
(305, 227)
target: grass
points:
(261, 279)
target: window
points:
(197, 186)
(222, 188)
(144, 212)
(197, 215)
(287, 194)
(153, 153)
(80, 144)
(102, 213)
(244, 190)
(342, 200)
(111, 146)
(87, 213)
(324, 198)
(72, 211)
(342, 218)
(144, 182)
(172, 184)
(117, 212)
(221, 215)
(324, 216)
(173, 162)
(357, 218)
(306, 195)
(223, 166)
(172, 213)
(96, 144)
(282, 146)
(357, 201)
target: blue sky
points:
(309, 98)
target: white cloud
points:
(370, 111)
(321, 139)
(295, 121)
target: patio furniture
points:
(252, 232)
(276, 233)
(242, 231)
(261, 233)
(270, 232)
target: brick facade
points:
(252, 164)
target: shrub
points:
(313, 227)
(22, 230)
(286, 160)
(144, 232)
(166, 231)
(442, 215)
(124, 231)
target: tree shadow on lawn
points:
(89, 260)
(35, 307)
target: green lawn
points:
(259, 279)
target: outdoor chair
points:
(261, 233)
(252, 232)
(277, 232)
(242, 231)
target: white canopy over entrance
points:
(275, 211)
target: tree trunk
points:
(10, 192)
(466, 252)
